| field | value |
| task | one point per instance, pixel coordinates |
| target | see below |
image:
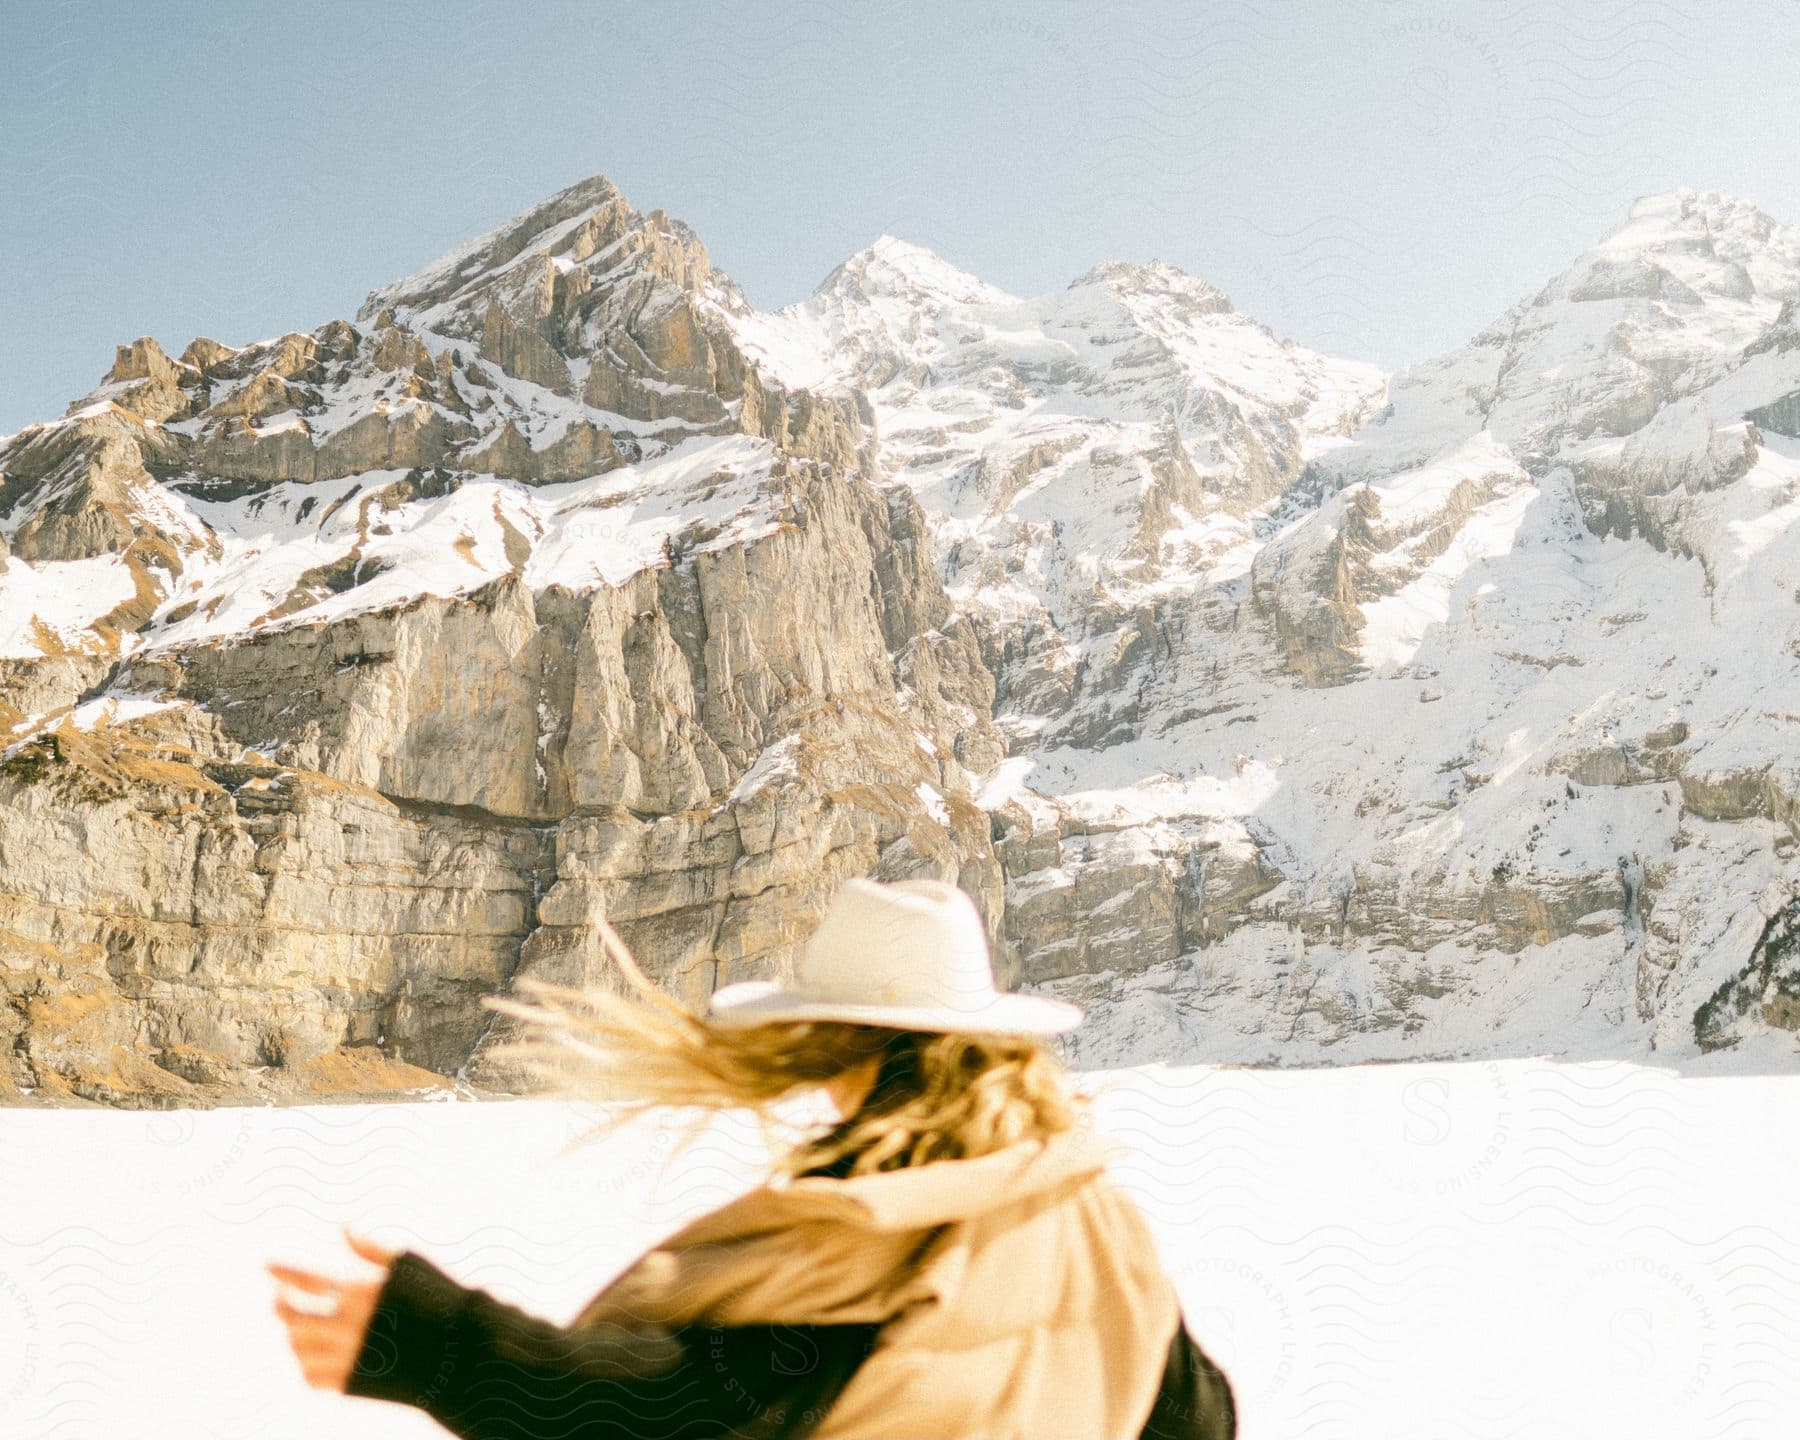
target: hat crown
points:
(906, 942)
(906, 954)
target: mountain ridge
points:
(1131, 617)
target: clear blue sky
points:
(1373, 177)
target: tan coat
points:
(1021, 1293)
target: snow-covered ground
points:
(1484, 1250)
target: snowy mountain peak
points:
(579, 338)
(1657, 362)
(892, 267)
(1686, 247)
(588, 227)
(896, 317)
(1686, 210)
(1157, 277)
(505, 241)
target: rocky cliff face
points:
(349, 672)
(1271, 710)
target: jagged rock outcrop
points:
(428, 648)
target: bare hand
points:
(326, 1318)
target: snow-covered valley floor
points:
(1416, 1252)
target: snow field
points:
(1510, 1248)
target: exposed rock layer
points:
(252, 841)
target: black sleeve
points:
(487, 1371)
(1196, 1400)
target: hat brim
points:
(756, 1002)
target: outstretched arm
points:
(488, 1371)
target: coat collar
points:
(919, 1196)
(823, 1249)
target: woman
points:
(949, 1261)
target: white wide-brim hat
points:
(909, 954)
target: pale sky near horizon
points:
(1376, 178)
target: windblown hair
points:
(935, 1097)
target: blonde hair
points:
(935, 1096)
